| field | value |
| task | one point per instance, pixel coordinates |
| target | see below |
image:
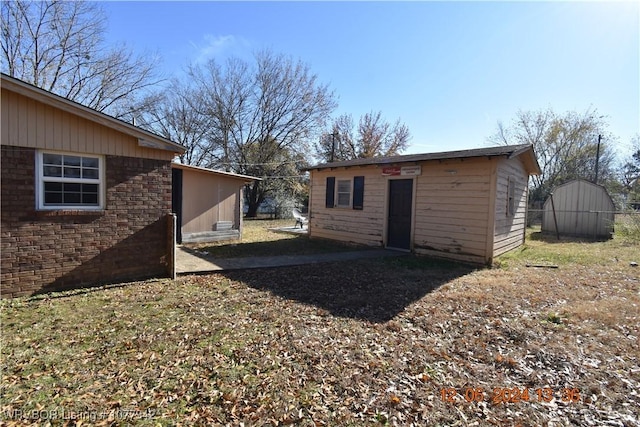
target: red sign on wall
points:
(391, 171)
(404, 170)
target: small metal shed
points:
(579, 208)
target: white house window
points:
(344, 193)
(70, 181)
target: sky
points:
(448, 70)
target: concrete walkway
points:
(194, 261)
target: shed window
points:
(339, 193)
(69, 181)
(344, 193)
(511, 197)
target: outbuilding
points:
(86, 198)
(468, 205)
(579, 208)
(207, 203)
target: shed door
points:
(399, 219)
(176, 200)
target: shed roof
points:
(525, 151)
(244, 178)
(145, 138)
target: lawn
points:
(259, 239)
(402, 341)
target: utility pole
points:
(595, 181)
(333, 145)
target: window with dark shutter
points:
(358, 192)
(331, 188)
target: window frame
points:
(343, 193)
(41, 180)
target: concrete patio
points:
(194, 261)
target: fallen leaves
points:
(304, 346)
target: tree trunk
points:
(255, 197)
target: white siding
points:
(452, 209)
(460, 208)
(364, 226)
(510, 230)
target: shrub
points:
(628, 225)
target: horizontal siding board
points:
(447, 244)
(448, 235)
(509, 230)
(448, 229)
(432, 215)
(475, 259)
(448, 186)
(347, 226)
(361, 239)
(506, 246)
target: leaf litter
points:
(364, 343)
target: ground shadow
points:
(375, 290)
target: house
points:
(579, 208)
(86, 198)
(465, 205)
(208, 203)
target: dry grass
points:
(545, 249)
(363, 343)
(259, 239)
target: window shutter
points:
(331, 188)
(358, 192)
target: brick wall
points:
(44, 251)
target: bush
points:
(628, 225)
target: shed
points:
(86, 198)
(468, 205)
(207, 203)
(582, 209)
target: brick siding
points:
(44, 251)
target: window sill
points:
(69, 212)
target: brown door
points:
(399, 220)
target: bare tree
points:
(224, 99)
(566, 147)
(58, 46)
(374, 137)
(340, 143)
(261, 114)
(630, 173)
(178, 116)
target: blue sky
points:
(448, 70)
